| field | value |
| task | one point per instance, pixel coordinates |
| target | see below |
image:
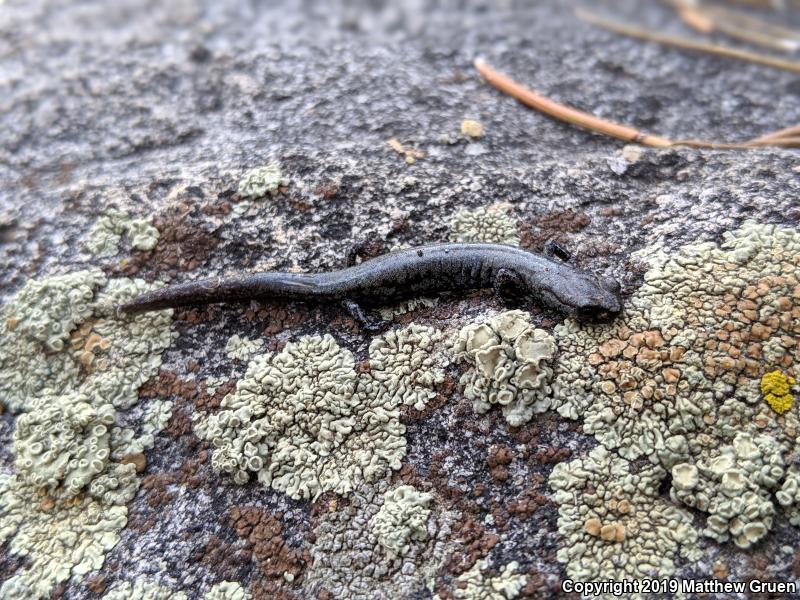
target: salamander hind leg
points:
(508, 285)
(354, 309)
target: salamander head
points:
(588, 297)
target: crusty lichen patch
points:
(491, 224)
(304, 421)
(509, 359)
(678, 378)
(262, 181)
(349, 560)
(402, 519)
(71, 364)
(616, 524)
(106, 234)
(776, 388)
(476, 584)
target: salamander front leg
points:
(555, 250)
(354, 310)
(508, 285)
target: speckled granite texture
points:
(284, 451)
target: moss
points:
(777, 392)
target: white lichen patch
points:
(141, 589)
(734, 486)
(58, 539)
(491, 224)
(476, 584)
(349, 561)
(106, 234)
(239, 348)
(227, 590)
(61, 444)
(615, 523)
(402, 519)
(262, 181)
(510, 365)
(387, 313)
(71, 363)
(677, 377)
(304, 421)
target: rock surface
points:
(159, 110)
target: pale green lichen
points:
(261, 181)
(348, 560)
(401, 521)
(104, 238)
(734, 486)
(475, 584)
(71, 363)
(141, 589)
(227, 590)
(58, 539)
(616, 524)
(124, 439)
(509, 359)
(239, 348)
(677, 377)
(62, 443)
(388, 313)
(491, 225)
(304, 421)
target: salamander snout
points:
(602, 303)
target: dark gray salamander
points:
(413, 272)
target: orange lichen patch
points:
(707, 321)
(87, 345)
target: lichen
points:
(104, 238)
(304, 421)
(492, 224)
(227, 590)
(614, 521)
(348, 560)
(509, 359)
(678, 377)
(239, 348)
(141, 589)
(262, 181)
(734, 486)
(777, 391)
(72, 364)
(475, 584)
(401, 521)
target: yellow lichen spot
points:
(776, 389)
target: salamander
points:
(412, 272)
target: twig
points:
(787, 133)
(706, 19)
(617, 130)
(565, 113)
(686, 43)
